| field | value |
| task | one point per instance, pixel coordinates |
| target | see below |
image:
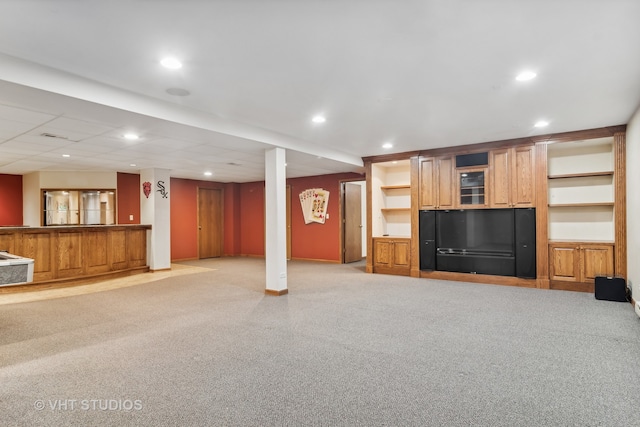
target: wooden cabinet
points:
(472, 188)
(579, 262)
(68, 253)
(392, 255)
(437, 183)
(512, 177)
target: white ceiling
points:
(418, 73)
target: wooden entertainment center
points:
(575, 181)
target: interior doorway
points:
(353, 221)
(210, 227)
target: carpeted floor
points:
(343, 348)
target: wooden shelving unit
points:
(581, 200)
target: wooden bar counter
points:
(77, 254)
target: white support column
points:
(155, 209)
(276, 224)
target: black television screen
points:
(481, 230)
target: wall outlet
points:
(130, 217)
(637, 308)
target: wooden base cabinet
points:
(392, 255)
(76, 253)
(574, 265)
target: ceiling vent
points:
(52, 135)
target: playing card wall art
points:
(314, 202)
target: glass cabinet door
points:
(471, 184)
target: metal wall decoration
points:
(162, 190)
(314, 202)
(146, 188)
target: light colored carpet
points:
(342, 348)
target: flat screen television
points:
(482, 231)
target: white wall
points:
(633, 204)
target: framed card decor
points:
(314, 202)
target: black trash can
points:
(611, 288)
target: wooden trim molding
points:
(275, 293)
(480, 278)
(369, 264)
(620, 212)
(491, 145)
(542, 217)
(415, 217)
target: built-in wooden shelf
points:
(395, 210)
(395, 187)
(581, 175)
(578, 205)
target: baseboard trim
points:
(275, 293)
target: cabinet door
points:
(445, 183)
(596, 261)
(522, 177)
(471, 187)
(564, 263)
(428, 183)
(500, 193)
(382, 252)
(401, 253)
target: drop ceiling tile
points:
(24, 116)
(65, 134)
(70, 125)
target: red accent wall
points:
(244, 218)
(232, 226)
(10, 199)
(252, 218)
(184, 216)
(128, 194)
(315, 240)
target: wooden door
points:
(288, 222)
(564, 263)
(401, 253)
(382, 252)
(522, 177)
(352, 222)
(500, 180)
(427, 183)
(597, 260)
(445, 183)
(210, 231)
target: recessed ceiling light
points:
(171, 63)
(207, 173)
(526, 75)
(132, 165)
(387, 145)
(66, 155)
(319, 119)
(541, 124)
(131, 136)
